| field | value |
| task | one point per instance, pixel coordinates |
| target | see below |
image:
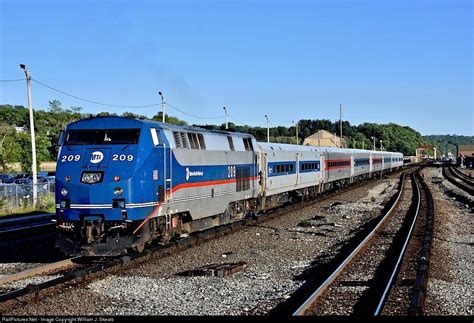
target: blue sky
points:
(407, 62)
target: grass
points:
(25, 211)
(45, 205)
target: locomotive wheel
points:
(139, 248)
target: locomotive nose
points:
(96, 158)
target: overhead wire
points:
(15, 80)
(193, 115)
(123, 106)
(232, 118)
(116, 105)
(96, 102)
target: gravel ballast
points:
(277, 252)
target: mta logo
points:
(97, 157)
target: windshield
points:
(102, 137)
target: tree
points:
(55, 106)
(169, 119)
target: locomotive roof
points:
(97, 121)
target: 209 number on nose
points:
(122, 157)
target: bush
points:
(45, 202)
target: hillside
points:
(15, 144)
(448, 143)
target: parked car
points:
(4, 178)
(50, 179)
(19, 177)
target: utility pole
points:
(268, 129)
(32, 131)
(296, 124)
(226, 123)
(340, 121)
(163, 105)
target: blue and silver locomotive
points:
(122, 183)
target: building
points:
(323, 138)
(466, 155)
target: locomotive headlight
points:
(118, 191)
(64, 191)
(91, 178)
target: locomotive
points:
(122, 183)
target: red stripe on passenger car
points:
(209, 183)
(327, 167)
(189, 185)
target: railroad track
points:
(17, 227)
(361, 284)
(66, 270)
(87, 269)
(459, 179)
(418, 294)
(459, 174)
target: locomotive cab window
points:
(156, 137)
(102, 137)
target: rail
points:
(458, 181)
(396, 268)
(306, 305)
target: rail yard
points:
(275, 264)
(226, 159)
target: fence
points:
(17, 196)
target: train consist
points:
(121, 183)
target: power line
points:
(192, 115)
(95, 102)
(232, 118)
(122, 106)
(16, 80)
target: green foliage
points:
(4, 204)
(449, 143)
(169, 119)
(45, 203)
(15, 146)
(394, 137)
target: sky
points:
(406, 62)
